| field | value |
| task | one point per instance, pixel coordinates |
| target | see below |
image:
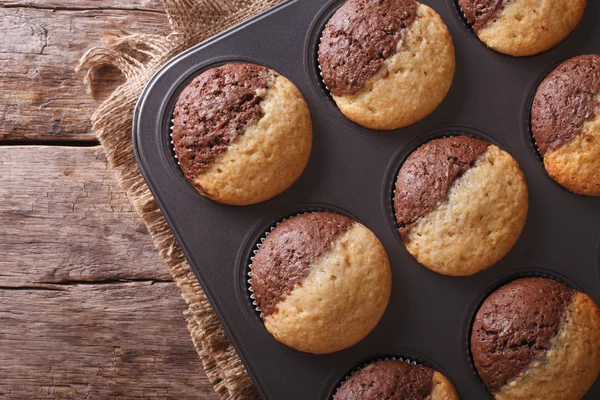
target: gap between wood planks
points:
(62, 8)
(96, 235)
(62, 143)
(65, 285)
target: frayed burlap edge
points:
(138, 57)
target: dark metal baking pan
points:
(351, 170)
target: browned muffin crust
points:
(427, 174)
(393, 380)
(480, 12)
(564, 101)
(515, 326)
(358, 39)
(287, 254)
(213, 110)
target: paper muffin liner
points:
(528, 114)
(319, 69)
(258, 244)
(171, 127)
(356, 369)
(532, 140)
(497, 284)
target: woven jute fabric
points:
(138, 57)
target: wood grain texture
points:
(140, 5)
(65, 219)
(41, 96)
(97, 341)
(87, 309)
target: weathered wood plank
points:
(41, 96)
(112, 341)
(69, 328)
(87, 309)
(139, 5)
(64, 219)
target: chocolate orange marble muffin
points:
(396, 380)
(242, 133)
(535, 338)
(522, 27)
(388, 63)
(322, 282)
(460, 204)
(565, 122)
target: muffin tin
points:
(352, 171)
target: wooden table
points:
(87, 308)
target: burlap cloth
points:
(138, 56)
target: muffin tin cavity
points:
(495, 285)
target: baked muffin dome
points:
(396, 380)
(537, 338)
(565, 122)
(460, 204)
(387, 64)
(242, 133)
(522, 27)
(322, 282)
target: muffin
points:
(565, 122)
(396, 380)
(322, 282)
(387, 64)
(522, 27)
(242, 133)
(460, 204)
(537, 339)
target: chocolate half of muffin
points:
(322, 282)
(396, 380)
(480, 12)
(213, 110)
(565, 122)
(536, 338)
(242, 133)
(460, 204)
(358, 39)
